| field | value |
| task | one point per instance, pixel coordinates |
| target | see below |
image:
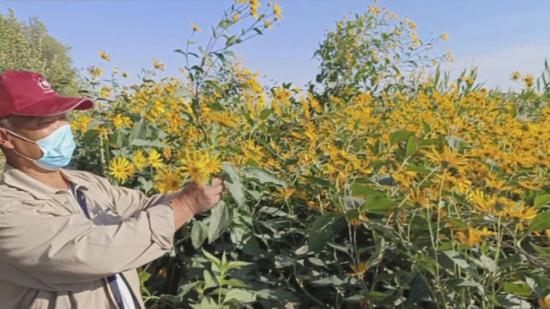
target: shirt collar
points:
(16, 178)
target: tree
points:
(375, 51)
(28, 46)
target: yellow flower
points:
(482, 203)
(418, 198)
(105, 92)
(200, 166)
(104, 56)
(267, 24)
(254, 5)
(359, 269)
(121, 169)
(544, 303)
(120, 121)
(516, 75)
(154, 159)
(522, 212)
(449, 56)
(81, 123)
(95, 72)
(167, 152)
(277, 11)
(195, 27)
(528, 80)
(447, 158)
(158, 65)
(102, 131)
(168, 180)
(472, 236)
(374, 10)
(444, 36)
(140, 161)
(236, 17)
(285, 193)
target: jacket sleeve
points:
(60, 252)
(128, 201)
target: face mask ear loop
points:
(20, 136)
(19, 153)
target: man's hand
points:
(195, 199)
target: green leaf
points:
(233, 183)
(457, 259)
(198, 233)
(234, 283)
(488, 263)
(378, 205)
(542, 251)
(206, 303)
(237, 264)
(520, 289)
(209, 280)
(218, 221)
(456, 143)
(411, 146)
(146, 184)
(232, 40)
(143, 276)
(145, 143)
(186, 288)
(263, 176)
(89, 137)
(317, 180)
(541, 222)
(214, 260)
(139, 130)
(265, 113)
(239, 296)
(216, 106)
(323, 230)
(400, 136)
(119, 139)
(364, 191)
(541, 200)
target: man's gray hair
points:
(5, 122)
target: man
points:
(70, 239)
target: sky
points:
(497, 36)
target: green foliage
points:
(30, 47)
(374, 51)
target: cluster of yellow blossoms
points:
(469, 150)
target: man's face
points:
(33, 128)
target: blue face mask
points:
(57, 148)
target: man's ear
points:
(4, 139)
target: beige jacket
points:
(52, 256)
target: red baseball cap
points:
(24, 93)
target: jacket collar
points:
(16, 178)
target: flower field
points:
(384, 184)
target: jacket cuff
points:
(161, 222)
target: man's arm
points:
(62, 251)
(190, 200)
(128, 201)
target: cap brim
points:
(55, 106)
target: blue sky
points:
(498, 36)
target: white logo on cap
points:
(44, 85)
